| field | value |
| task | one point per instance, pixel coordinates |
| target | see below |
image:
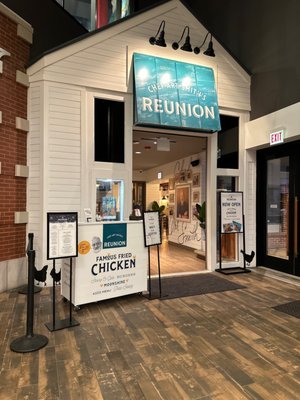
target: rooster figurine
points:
(248, 257)
(56, 276)
(40, 275)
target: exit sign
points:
(276, 137)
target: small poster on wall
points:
(182, 202)
(62, 235)
(231, 212)
(152, 232)
(196, 180)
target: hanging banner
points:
(175, 94)
(62, 235)
(231, 212)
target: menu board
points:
(231, 212)
(152, 234)
(62, 235)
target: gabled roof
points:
(158, 9)
(143, 25)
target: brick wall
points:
(13, 142)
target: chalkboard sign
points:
(152, 233)
(62, 235)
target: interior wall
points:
(187, 233)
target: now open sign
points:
(277, 137)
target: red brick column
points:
(13, 142)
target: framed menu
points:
(62, 235)
(152, 231)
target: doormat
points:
(191, 285)
(292, 308)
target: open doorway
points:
(170, 170)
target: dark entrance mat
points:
(191, 285)
(292, 308)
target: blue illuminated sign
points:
(175, 94)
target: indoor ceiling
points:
(147, 156)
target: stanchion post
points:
(53, 297)
(24, 289)
(30, 342)
(30, 302)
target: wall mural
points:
(186, 188)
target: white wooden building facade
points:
(63, 86)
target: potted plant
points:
(157, 207)
(200, 214)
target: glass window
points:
(277, 211)
(109, 200)
(228, 143)
(109, 131)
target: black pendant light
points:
(160, 41)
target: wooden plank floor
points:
(175, 259)
(223, 346)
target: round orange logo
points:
(84, 247)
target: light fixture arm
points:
(188, 33)
(161, 27)
(161, 32)
(175, 45)
(197, 49)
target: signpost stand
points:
(232, 221)
(62, 243)
(152, 236)
(64, 323)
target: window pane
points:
(278, 207)
(109, 131)
(109, 200)
(228, 143)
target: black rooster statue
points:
(248, 257)
(40, 275)
(56, 276)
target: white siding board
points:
(60, 108)
(64, 139)
(34, 182)
(98, 79)
(63, 117)
(67, 168)
(69, 122)
(58, 131)
(66, 162)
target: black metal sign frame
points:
(59, 218)
(230, 226)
